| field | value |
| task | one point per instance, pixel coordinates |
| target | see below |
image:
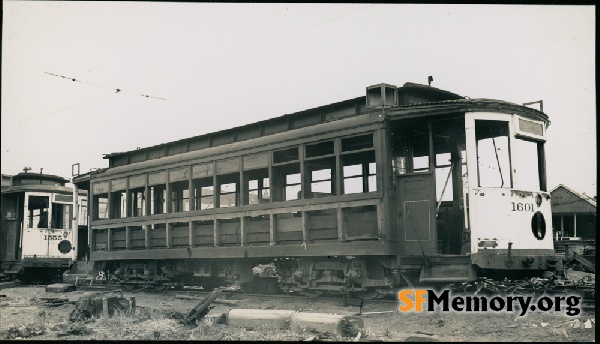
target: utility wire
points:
(124, 90)
(113, 88)
(58, 110)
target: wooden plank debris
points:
(340, 324)
(253, 318)
(202, 308)
(219, 301)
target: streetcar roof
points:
(440, 102)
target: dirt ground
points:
(25, 314)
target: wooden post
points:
(105, 311)
(217, 241)
(192, 197)
(148, 202)
(202, 308)
(128, 207)
(191, 234)
(305, 238)
(168, 209)
(109, 238)
(341, 224)
(132, 306)
(243, 230)
(337, 143)
(146, 229)
(74, 220)
(91, 215)
(273, 228)
(168, 230)
(109, 206)
(127, 237)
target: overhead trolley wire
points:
(124, 90)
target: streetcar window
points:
(100, 207)
(118, 205)
(529, 164)
(410, 147)
(319, 149)
(38, 211)
(285, 155)
(228, 190)
(322, 177)
(357, 143)
(287, 181)
(180, 196)
(258, 186)
(138, 202)
(61, 216)
(204, 194)
(83, 212)
(420, 152)
(493, 154)
(158, 199)
(359, 172)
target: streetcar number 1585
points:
(522, 206)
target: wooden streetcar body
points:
(364, 195)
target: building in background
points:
(573, 214)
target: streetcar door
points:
(415, 188)
(12, 243)
(10, 228)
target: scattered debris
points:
(60, 288)
(253, 318)
(422, 338)
(106, 303)
(366, 314)
(4, 285)
(66, 329)
(265, 270)
(425, 333)
(340, 324)
(220, 301)
(543, 324)
(25, 331)
(55, 301)
(202, 308)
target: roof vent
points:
(382, 96)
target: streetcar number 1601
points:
(522, 206)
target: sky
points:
(83, 79)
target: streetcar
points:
(404, 185)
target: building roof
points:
(583, 197)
